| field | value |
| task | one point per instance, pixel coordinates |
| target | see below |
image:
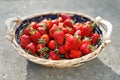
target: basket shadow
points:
(92, 70)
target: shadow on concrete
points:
(92, 70)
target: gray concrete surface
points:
(105, 67)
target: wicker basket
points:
(14, 26)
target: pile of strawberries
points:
(61, 38)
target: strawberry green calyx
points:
(91, 47)
(42, 41)
(69, 28)
(44, 25)
(87, 39)
(33, 31)
(43, 50)
(94, 25)
(77, 36)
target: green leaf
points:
(94, 25)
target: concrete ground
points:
(105, 67)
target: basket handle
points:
(11, 25)
(106, 24)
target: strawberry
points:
(35, 36)
(24, 40)
(68, 23)
(86, 48)
(52, 30)
(55, 22)
(71, 42)
(61, 49)
(60, 20)
(67, 55)
(86, 30)
(52, 44)
(86, 40)
(59, 36)
(75, 54)
(47, 24)
(95, 37)
(42, 30)
(42, 50)
(53, 56)
(78, 26)
(65, 16)
(68, 30)
(28, 30)
(65, 30)
(78, 32)
(39, 47)
(44, 39)
(34, 25)
(31, 48)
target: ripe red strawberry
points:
(61, 49)
(35, 36)
(75, 54)
(71, 42)
(68, 30)
(31, 48)
(24, 40)
(65, 30)
(39, 47)
(60, 20)
(67, 55)
(95, 37)
(44, 39)
(34, 25)
(86, 40)
(59, 36)
(78, 32)
(86, 30)
(28, 30)
(65, 16)
(42, 30)
(78, 26)
(52, 30)
(52, 44)
(42, 50)
(86, 48)
(47, 24)
(55, 22)
(68, 23)
(53, 56)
